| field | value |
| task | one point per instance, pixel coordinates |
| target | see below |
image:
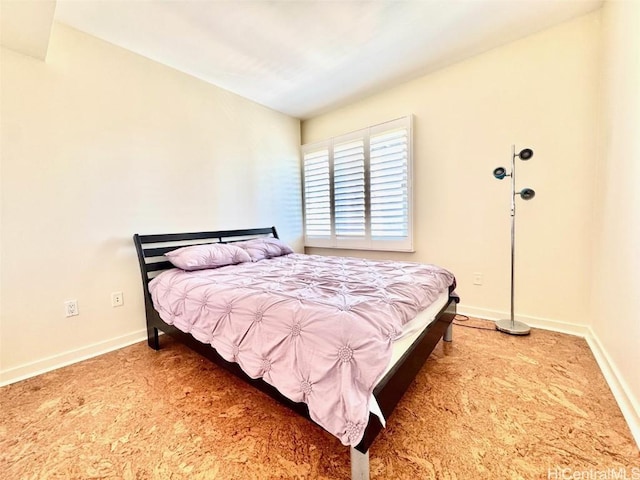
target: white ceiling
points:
(306, 57)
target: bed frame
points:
(388, 392)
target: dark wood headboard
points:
(151, 248)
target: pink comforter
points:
(319, 329)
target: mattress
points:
(410, 333)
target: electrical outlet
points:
(71, 308)
(477, 279)
(117, 300)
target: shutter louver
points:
(317, 194)
(349, 189)
(389, 184)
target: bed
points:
(404, 364)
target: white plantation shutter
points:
(357, 189)
(349, 189)
(389, 184)
(317, 194)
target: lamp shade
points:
(500, 173)
(527, 193)
(525, 154)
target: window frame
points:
(366, 242)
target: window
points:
(357, 189)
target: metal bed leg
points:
(359, 465)
(448, 334)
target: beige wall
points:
(539, 92)
(98, 144)
(616, 279)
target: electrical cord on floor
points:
(456, 321)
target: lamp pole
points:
(513, 233)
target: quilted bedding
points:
(319, 329)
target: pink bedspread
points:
(319, 329)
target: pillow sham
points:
(261, 248)
(200, 257)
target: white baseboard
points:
(536, 322)
(628, 404)
(38, 367)
(621, 392)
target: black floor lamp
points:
(511, 325)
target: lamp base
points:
(513, 328)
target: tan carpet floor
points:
(487, 406)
